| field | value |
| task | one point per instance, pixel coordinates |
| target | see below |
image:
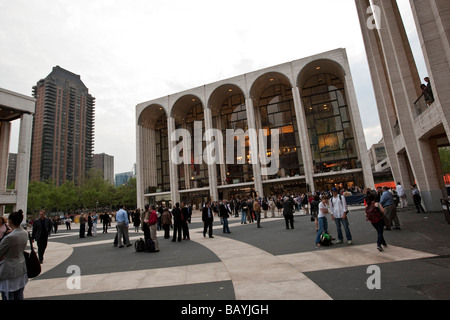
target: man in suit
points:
(41, 230)
(288, 212)
(207, 218)
(177, 223)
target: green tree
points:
(92, 192)
(126, 194)
(444, 154)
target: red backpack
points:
(373, 214)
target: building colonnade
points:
(310, 101)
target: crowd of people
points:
(380, 208)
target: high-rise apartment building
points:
(63, 128)
(105, 163)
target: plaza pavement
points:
(261, 264)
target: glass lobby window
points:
(162, 156)
(277, 112)
(329, 124)
(197, 174)
(233, 115)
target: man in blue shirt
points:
(122, 226)
(390, 208)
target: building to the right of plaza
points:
(414, 113)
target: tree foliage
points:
(444, 154)
(91, 193)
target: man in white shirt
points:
(339, 215)
(402, 195)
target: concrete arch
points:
(150, 115)
(183, 106)
(265, 81)
(320, 66)
(220, 94)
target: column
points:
(139, 168)
(5, 134)
(212, 168)
(174, 194)
(23, 162)
(383, 94)
(255, 165)
(187, 174)
(304, 139)
(223, 165)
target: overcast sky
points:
(128, 52)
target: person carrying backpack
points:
(323, 222)
(339, 212)
(375, 217)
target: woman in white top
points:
(321, 216)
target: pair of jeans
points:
(226, 229)
(379, 226)
(243, 216)
(344, 222)
(323, 227)
(16, 295)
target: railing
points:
(8, 192)
(424, 101)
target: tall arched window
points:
(277, 111)
(197, 174)
(329, 124)
(233, 115)
(162, 155)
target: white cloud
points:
(128, 52)
(373, 135)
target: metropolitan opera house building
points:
(312, 103)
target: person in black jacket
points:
(288, 212)
(184, 221)
(207, 218)
(177, 223)
(224, 214)
(41, 230)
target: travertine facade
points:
(413, 126)
(311, 101)
(15, 106)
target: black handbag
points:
(32, 261)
